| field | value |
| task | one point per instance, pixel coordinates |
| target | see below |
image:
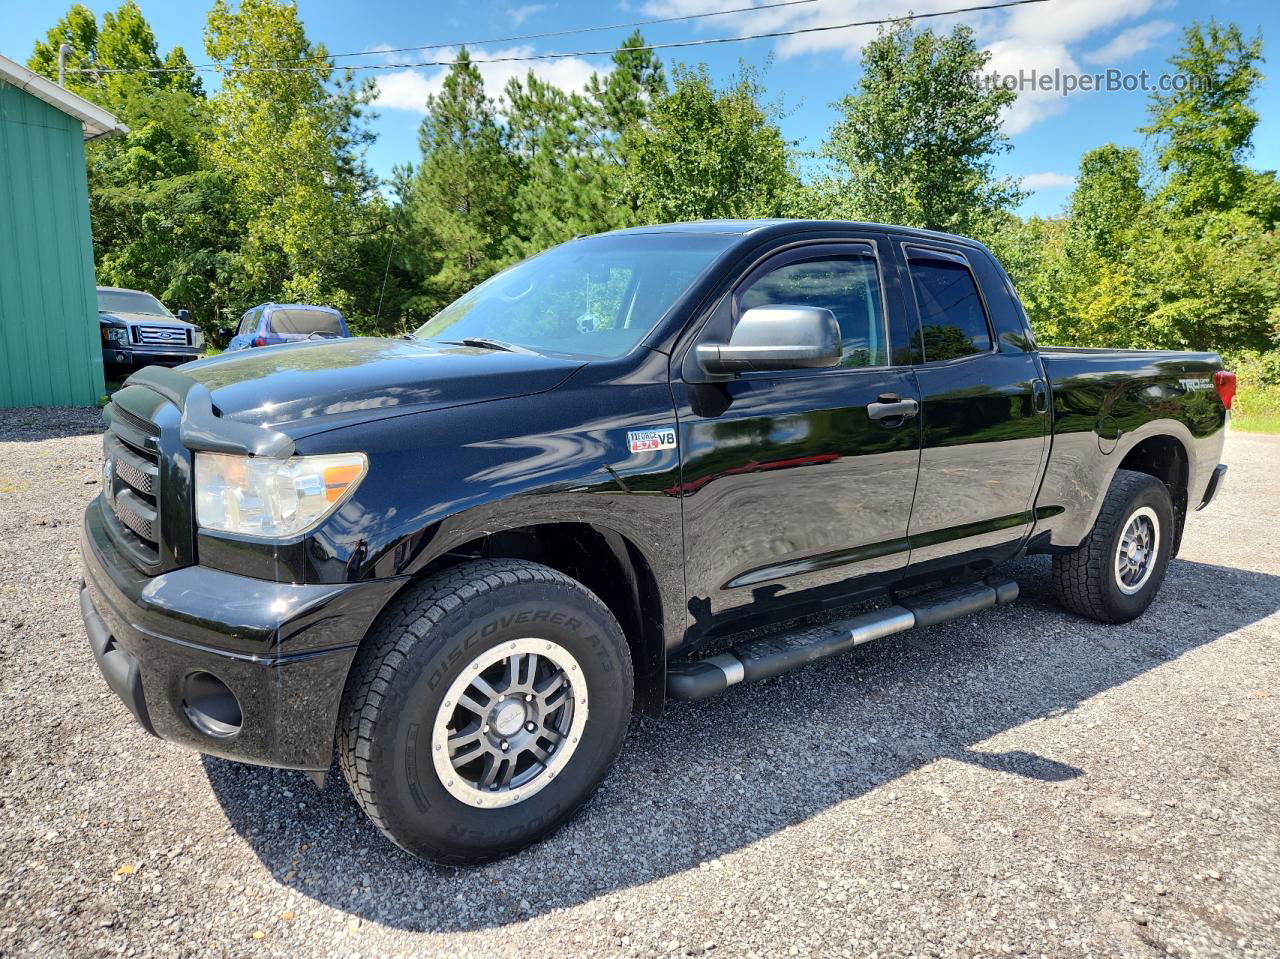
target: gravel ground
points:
(1021, 782)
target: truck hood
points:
(307, 388)
(142, 319)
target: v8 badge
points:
(644, 441)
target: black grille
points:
(136, 515)
(139, 475)
(131, 480)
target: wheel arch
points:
(605, 561)
(1166, 458)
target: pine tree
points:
(460, 205)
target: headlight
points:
(116, 334)
(197, 339)
(272, 498)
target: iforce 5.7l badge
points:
(645, 441)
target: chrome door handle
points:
(890, 407)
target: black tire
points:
(1086, 581)
(420, 647)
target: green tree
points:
(79, 29)
(560, 191)
(1205, 131)
(290, 143)
(1107, 203)
(570, 149)
(706, 153)
(916, 143)
(159, 216)
(1031, 251)
(460, 204)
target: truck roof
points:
(744, 228)
(297, 306)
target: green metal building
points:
(50, 347)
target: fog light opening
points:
(210, 706)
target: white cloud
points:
(1048, 181)
(520, 14)
(408, 89)
(404, 90)
(1133, 41)
(1017, 57)
(1064, 23)
(1032, 37)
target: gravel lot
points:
(1021, 782)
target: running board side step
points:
(768, 656)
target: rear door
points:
(793, 490)
(984, 417)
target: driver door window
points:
(847, 285)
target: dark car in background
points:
(138, 330)
(273, 323)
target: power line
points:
(529, 58)
(554, 33)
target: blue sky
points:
(804, 72)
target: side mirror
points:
(226, 332)
(184, 316)
(777, 338)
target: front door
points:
(795, 484)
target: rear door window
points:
(305, 322)
(953, 321)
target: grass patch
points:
(1257, 410)
(1256, 423)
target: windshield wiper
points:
(487, 343)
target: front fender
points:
(439, 480)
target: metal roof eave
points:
(95, 121)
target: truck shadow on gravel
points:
(716, 776)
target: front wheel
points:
(485, 709)
(1117, 573)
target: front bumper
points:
(114, 356)
(282, 650)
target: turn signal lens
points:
(270, 498)
(339, 479)
(1225, 381)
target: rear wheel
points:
(485, 709)
(1117, 573)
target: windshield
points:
(597, 297)
(130, 301)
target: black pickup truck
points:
(462, 557)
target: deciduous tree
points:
(917, 141)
